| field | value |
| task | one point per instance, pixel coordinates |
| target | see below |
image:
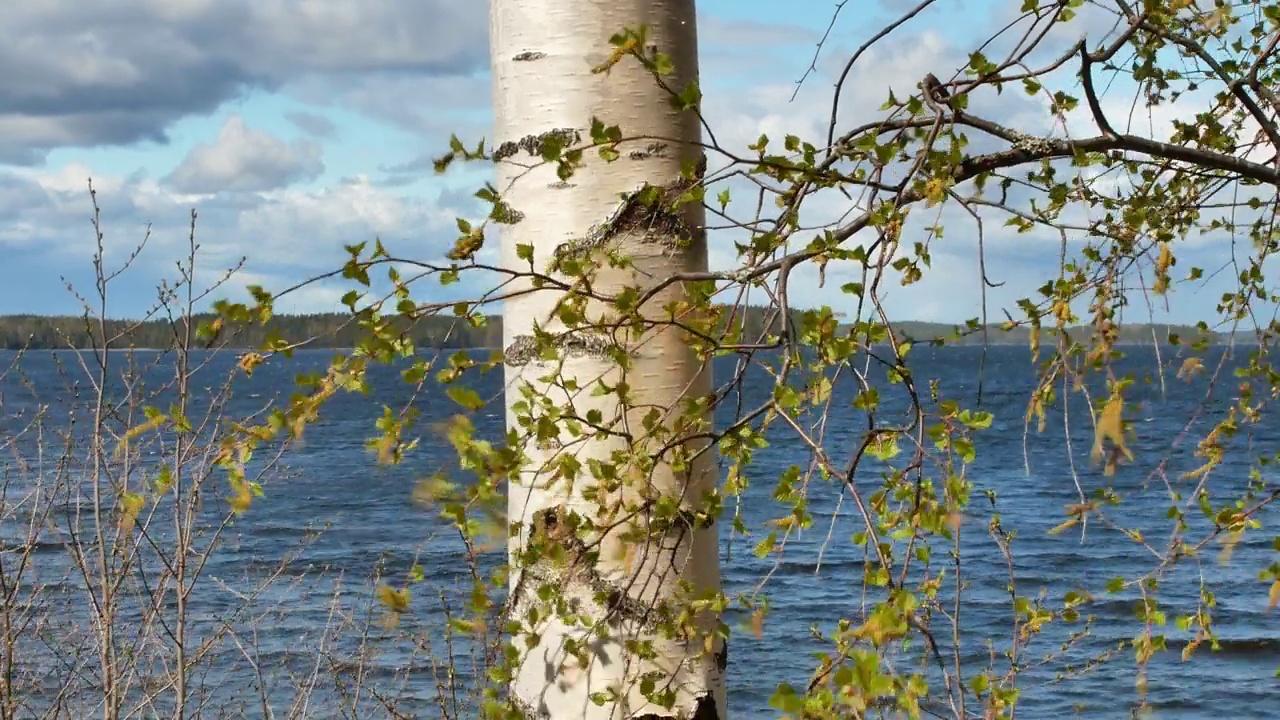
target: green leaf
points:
(466, 397)
(765, 546)
(884, 447)
(980, 420)
(786, 699)
(867, 400)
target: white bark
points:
(542, 54)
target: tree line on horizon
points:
(340, 330)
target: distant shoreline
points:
(333, 331)
(330, 348)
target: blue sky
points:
(296, 127)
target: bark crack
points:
(617, 604)
(650, 211)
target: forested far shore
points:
(337, 330)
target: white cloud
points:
(284, 235)
(294, 226)
(386, 59)
(124, 71)
(318, 297)
(242, 159)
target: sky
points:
(293, 127)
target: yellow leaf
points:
(1191, 367)
(934, 191)
(1229, 543)
(1061, 311)
(241, 496)
(783, 522)
(757, 624)
(1110, 428)
(249, 361)
(1163, 262)
(395, 600)
(627, 46)
(130, 505)
(225, 456)
(1191, 648)
(470, 627)
(1275, 596)
(1059, 529)
(137, 431)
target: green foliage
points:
(906, 475)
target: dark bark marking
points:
(704, 709)
(524, 348)
(535, 144)
(549, 526)
(653, 149)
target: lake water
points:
(332, 520)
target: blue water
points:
(332, 521)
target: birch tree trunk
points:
(611, 544)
